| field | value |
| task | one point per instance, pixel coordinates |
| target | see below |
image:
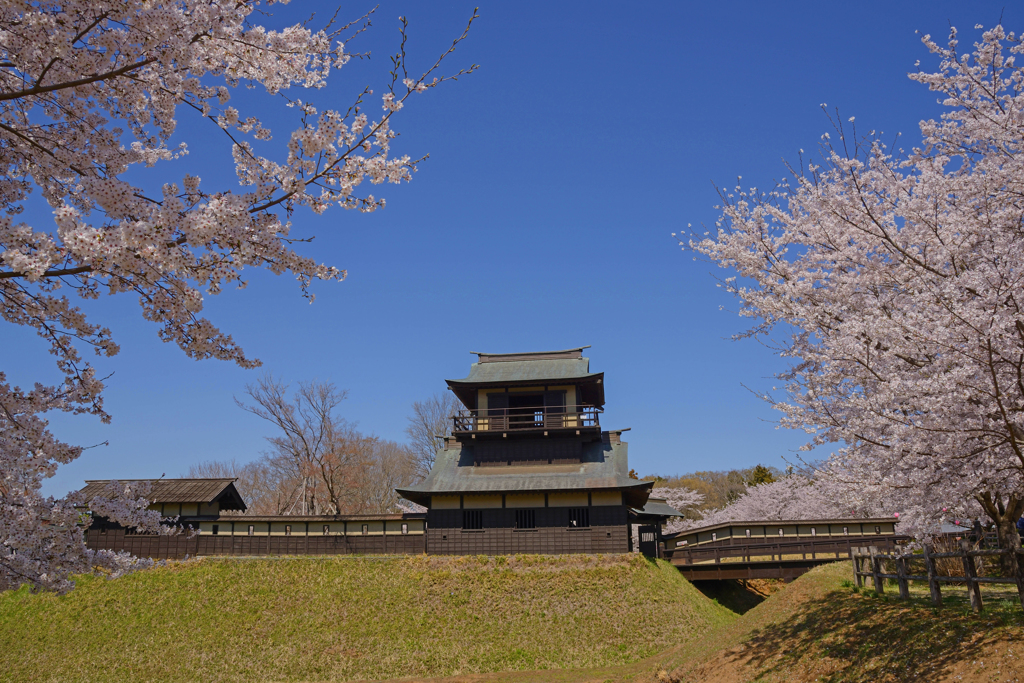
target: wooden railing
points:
(903, 577)
(829, 548)
(517, 419)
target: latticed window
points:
(287, 529)
(472, 519)
(252, 529)
(579, 517)
(526, 519)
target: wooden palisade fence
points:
(903, 577)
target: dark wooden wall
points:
(181, 546)
(608, 533)
(527, 452)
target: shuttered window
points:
(579, 517)
(472, 519)
(526, 519)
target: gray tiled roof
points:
(604, 466)
(174, 490)
(528, 371)
(658, 507)
(248, 519)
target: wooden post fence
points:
(933, 584)
(901, 577)
(876, 569)
(971, 576)
(968, 557)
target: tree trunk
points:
(1005, 515)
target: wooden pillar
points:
(933, 584)
(901, 574)
(970, 576)
(1019, 556)
(876, 569)
(855, 555)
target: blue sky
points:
(542, 220)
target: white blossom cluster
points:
(680, 498)
(892, 280)
(90, 89)
(43, 543)
(792, 497)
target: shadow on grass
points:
(852, 636)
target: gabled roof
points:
(656, 509)
(604, 465)
(535, 367)
(221, 491)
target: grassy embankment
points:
(351, 618)
(819, 629)
(581, 619)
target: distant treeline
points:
(718, 488)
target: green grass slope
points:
(820, 629)
(307, 619)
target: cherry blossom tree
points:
(792, 497)
(90, 97)
(680, 498)
(891, 278)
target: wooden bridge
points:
(779, 550)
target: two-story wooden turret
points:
(528, 468)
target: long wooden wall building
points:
(210, 514)
(527, 469)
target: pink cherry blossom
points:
(891, 278)
(91, 89)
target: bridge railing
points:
(823, 549)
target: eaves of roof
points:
(604, 466)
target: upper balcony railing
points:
(521, 419)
